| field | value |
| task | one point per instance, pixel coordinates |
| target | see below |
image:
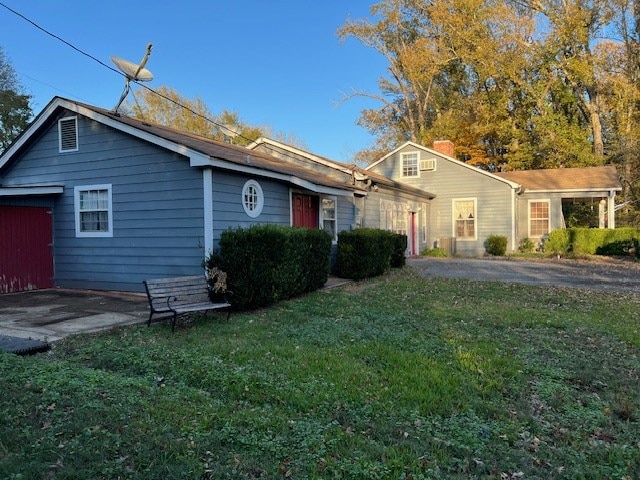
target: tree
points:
(509, 81)
(15, 111)
(444, 72)
(167, 107)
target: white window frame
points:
(539, 200)
(394, 217)
(76, 200)
(454, 219)
(403, 156)
(252, 187)
(335, 216)
(75, 125)
(423, 223)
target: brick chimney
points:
(445, 147)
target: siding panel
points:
(158, 216)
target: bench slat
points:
(180, 295)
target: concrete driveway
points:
(596, 274)
(49, 315)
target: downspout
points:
(207, 189)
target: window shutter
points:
(68, 134)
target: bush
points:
(368, 252)
(398, 258)
(434, 252)
(527, 246)
(618, 247)
(590, 241)
(558, 243)
(496, 245)
(269, 263)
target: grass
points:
(400, 378)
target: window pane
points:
(538, 218)
(94, 210)
(328, 208)
(94, 221)
(410, 165)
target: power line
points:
(82, 52)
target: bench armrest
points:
(169, 300)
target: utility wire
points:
(79, 50)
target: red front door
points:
(305, 210)
(26, 260)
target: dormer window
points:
(68, 134)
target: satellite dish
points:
(131, 71)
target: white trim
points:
(257, 210)
(258, 172)
(475, 219)
(335, 219)
(575, 190)
(75, 131)
(402, 160)
(308, 155)
(196, 158)
(207, 190)
(538, 200)
(34, 190)
(76, 207)
(442, 155)
(514, 220)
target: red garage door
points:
(26, 260)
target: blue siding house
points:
(130, 200)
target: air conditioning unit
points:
(428, 164)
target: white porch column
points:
(207, 189)
(611, 213)
(601, 205)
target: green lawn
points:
(395, 378)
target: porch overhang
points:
(31, 190)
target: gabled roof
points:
(446, 157)
(356, 172)
(201, 151)
(566, 179)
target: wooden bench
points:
(181, 295)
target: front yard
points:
(395, 378)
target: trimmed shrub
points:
(398, 259)
(368, 252)
(496, 245)
(590, 241)
(558, 243)
(434, 252)
(267, 263)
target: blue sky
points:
(277, 63)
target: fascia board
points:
(224, 165)
(301, 153)
(513, 185)
(575, 190)
(21, 191)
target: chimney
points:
(445, 147)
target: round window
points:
(252, 198)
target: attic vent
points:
(428, 164)
(68, 131)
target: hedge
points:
(267, 263)
(368, 252)
(589, 241)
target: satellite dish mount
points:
(131, 71)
